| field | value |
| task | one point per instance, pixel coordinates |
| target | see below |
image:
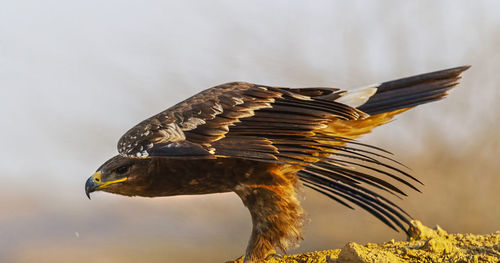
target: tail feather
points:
(412, 91)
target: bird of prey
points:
(264, 142)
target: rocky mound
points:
(425, 245)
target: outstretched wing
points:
(235, 119)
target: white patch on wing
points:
(359, 96)
(237, 100)
(217, 108)
(171, 133)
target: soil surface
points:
(425, 245)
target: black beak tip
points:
(90, 186)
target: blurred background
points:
(75, 75)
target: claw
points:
(273, 255)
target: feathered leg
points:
(277, 216)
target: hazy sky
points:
(75, 75)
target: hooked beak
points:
(91, 185)
(95, 183)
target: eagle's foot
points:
(273, 255)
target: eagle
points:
(264, 143)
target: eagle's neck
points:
(168, 177)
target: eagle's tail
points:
(383, 101)
(412, 91)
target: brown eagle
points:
(264, 142)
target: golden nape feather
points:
(264, 142)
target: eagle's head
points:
(120, 175)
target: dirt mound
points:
(425, 245)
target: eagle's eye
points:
(122, 169)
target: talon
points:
(273, 255)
